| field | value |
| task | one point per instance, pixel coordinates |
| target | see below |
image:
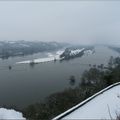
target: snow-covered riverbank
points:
(7, 114)
(55, 56)
(50, 57)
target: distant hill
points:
(18, 48)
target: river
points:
(24, 85)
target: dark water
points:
(23, 85)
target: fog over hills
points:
(83, 22)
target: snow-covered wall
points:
(103, 105)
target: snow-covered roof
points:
(103, 105)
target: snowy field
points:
(104, 105)
(7, 114)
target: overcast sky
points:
(78, 22)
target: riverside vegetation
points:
(92, 81)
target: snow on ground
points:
(10, 114)
(50, 54)
(76, 51)
(51, 57)
(104, 106)
(59, 52)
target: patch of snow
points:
(10, 114)
(59, 52)
(76, 51)
(103, 105)
(50, 54)
(41, 60)
(51, 57)
(27, 61)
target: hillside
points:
(102, 105)
(18, 48)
